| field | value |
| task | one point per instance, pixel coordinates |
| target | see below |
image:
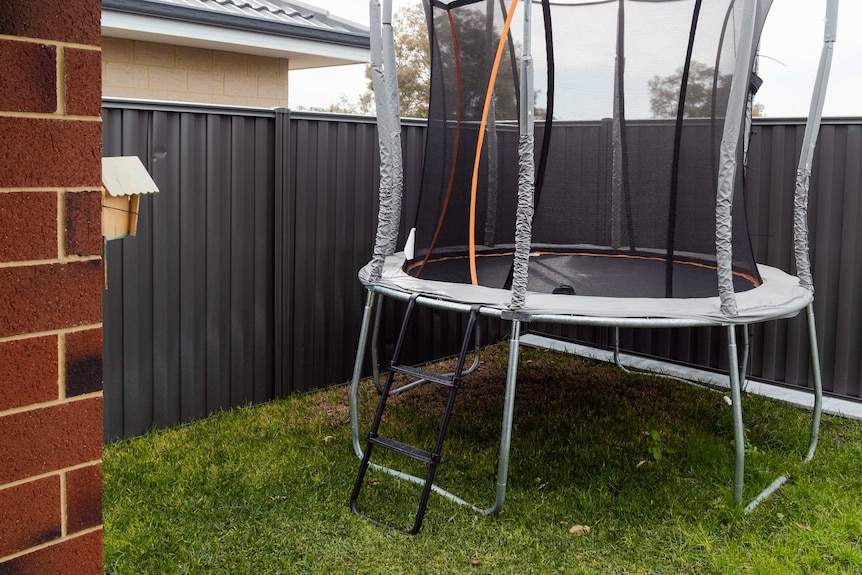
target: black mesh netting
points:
(627, 164)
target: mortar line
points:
(47, 474)
(52, 403)
(36, 334)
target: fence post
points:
(284, 254)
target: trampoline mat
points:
(588, 274)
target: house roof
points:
(307, 35)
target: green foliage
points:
(414, 64)
(658, 450)
(468, 69)
(702, 82)
(264, 490)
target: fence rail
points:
(241, 285)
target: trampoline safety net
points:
(631, 102)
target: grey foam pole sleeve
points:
(806, 157)
(526, 172)
(390, 69)
(728, 160)
(390, 154)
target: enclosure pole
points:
(493, 144)
(370, 302)
(806, 158)
(526, 171)
(617, 173)
(736, 400)
(385, 82)
(728, 160)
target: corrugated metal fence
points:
(241, 285)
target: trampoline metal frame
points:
(391, 187)
(736, 376)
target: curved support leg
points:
(375, 353)
(617, 350)
(818, 384)
(817, 412)
(738, 430)
(370, 302)
(746, 354)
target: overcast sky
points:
(790, 47)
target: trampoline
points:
(584, 164)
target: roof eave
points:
(301, 53)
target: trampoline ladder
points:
(431, 459)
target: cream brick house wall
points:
(147, 70)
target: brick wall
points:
(50, 288)
(147, 70)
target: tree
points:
(664, 93)
(342, 106)
(475, 54)
(414, 64)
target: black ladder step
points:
(404, 449)
(411, 371)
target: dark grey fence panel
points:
(190, 305)
(241, 285)
(780, 349)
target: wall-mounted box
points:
(124, 179)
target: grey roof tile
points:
(281, 17)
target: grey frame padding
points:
(779, 296)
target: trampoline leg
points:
(370, 302)
(746, 353)
(818, 384)
(617, 350)
(818, 410)
(738, 430)
(508, 412)
(375, 349)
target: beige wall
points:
(135, 69)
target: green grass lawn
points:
(646, 463)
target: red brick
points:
(84, 223)
(83, 82)
(28, 77)
(52, 296)
(31, 515)
(83, 362)
(28, 226)
(84, 498)
(47, 152)
(51, 438)
(79, 556)
(28, 372)
(77, 21)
